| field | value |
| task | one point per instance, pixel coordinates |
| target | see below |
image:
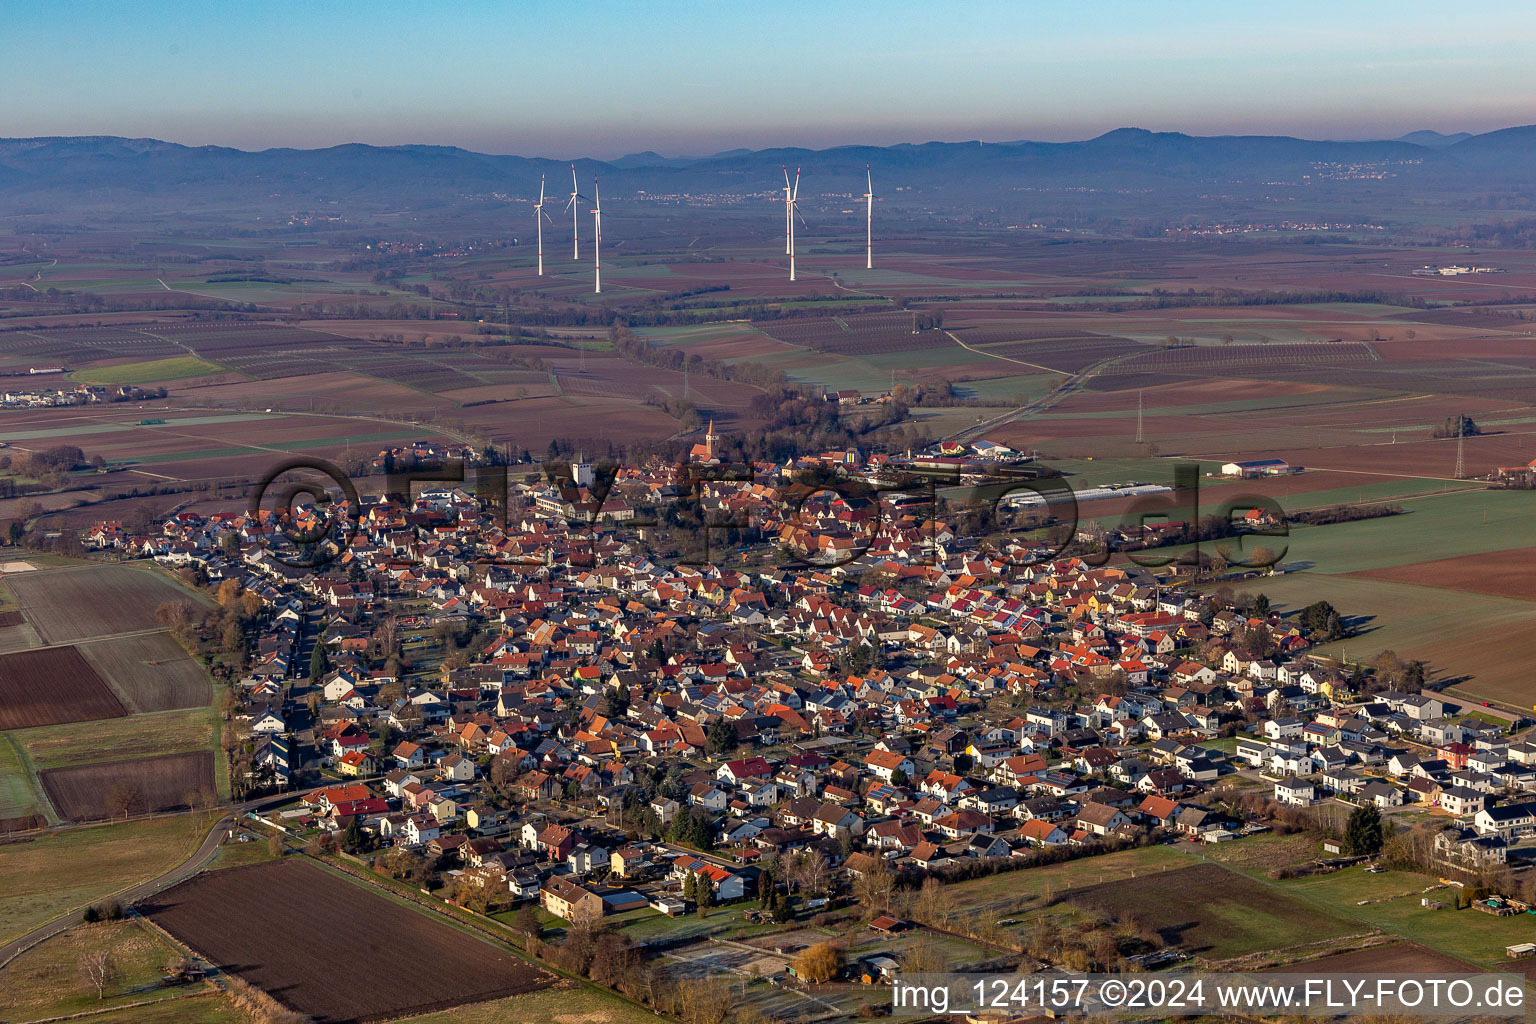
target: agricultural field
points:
(18, 797)
(563, 1002)
(1395, 907)
(16, 634)
(331, 949)
(1486, 640)
(120, 739)
(150, 672)
(1393, 579)
(1392, 958)
(166, 441)
(52, 874)
(212, 1008)
(1509, 573)
(111, 698)
(1213, 911)
(1223, 903)
(1003, 895)
(150, 371)
(51, 686)
(80, 602)
(1207, 910)
(863, 334)
(45, 982)
(145, 785)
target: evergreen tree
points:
(318, 663)
(352, 838)
(617, 702)
(721, 736)
(1362, 833)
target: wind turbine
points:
(786, 209)
(576, 197)
(539, 217)
(869, 221)
(597, 228)
(791, 211)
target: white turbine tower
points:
(576, 197)
(597, 230)
(791, 211)
(869, 221)
(786, 210)
(539, 217)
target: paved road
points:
(180, 873)
(1070, 385)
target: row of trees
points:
(611, 959)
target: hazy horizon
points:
(788, 145)
(695, 79)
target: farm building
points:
(1259, 467)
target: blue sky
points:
(602, 79)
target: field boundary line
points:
(1007, 359)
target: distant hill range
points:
(105, 169)
(1434, 139)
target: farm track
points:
(994, 355)
(1073, 384)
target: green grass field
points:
(1294, 913)
(1191, 900)
(148, 371)
(1435, 526)
(43, 982)
(63, 871)
(17, 793)
(1004, 894)
(211, 1008)
(1413, 621)
(238, 855)
(131, 422)
(115, 739)
(1467, 934)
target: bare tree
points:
(99, 970)
(388, 636)
(811, 872)
(122, 797)
(200, 799)
(873, 887)
(474, 893)
(705, 1000)
(931, 906)
(924, 957)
